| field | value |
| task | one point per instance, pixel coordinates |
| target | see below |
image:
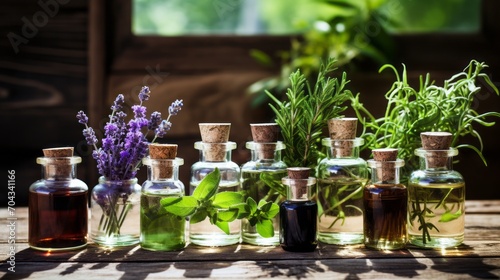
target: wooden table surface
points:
(477, 258)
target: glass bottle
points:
(341, 178)
(436, 197)
(261, 179)
(385, 203)
(298, 214)
(115, 212)
(58, 204)
(160, 230)
(215, 152)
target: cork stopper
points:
(61, 166)
(437, 143)
(163, 168)
(58, 152)
(387, 156)
(266, 134)
(343, 129)
(215, 132)
(215, 135)
(298, 182)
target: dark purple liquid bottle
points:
(298, 225)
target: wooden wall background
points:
(84, 55)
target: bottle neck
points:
(342, 148)
(58, 168)
(385, 172)
(215, 152)
(299, 189)
(436, 159)
(163, 169)
(265, 151)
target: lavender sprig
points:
(125, 144)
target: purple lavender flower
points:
(118, 103)
(124, 144)
(154, 121)
(144, 94)
(175, 107)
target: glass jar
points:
(436, 201)
(58, 206)
(385, 207)
(160, 230)
(204, 233)
(341, 178)
(261, 179)
(298, 216)
(115, 212)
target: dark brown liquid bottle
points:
(58, 204)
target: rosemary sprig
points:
(303, 116)
(450, 107)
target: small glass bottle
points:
(58, 204)
(160, 230)
(436, 195)
(385, 203)
(298, 214)
(215, 152)
(341, 178)
(261, 178)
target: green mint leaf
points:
(227, 199)
(243, 210)
(227, 215)
(170, 200)
(264, 206)
(252, 204)
(265, 228)
(199, 216)
(208, 186)
(273, 211)
(224, 226)
(183, 207)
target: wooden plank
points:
(463, 268)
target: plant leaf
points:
(227, 199)
(200, 215)
(208, 186)
(265, 228)
(183, 207)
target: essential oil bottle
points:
(215, 152)
(160, 230)
(342, 175)
(385, 203)
(298, 214)
(261, 178)
(436, 195)
(58, 204)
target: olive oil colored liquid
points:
(160, 230)
(58, 221)
(439, 204)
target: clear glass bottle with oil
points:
(341, 178)
(58, 204)
(160, 230)
(261, 179)
(385, 203)
(215, 152)
(436, 199)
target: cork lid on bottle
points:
(436, 144)
(385, 161)
(298, 181)
(162, 159)
(59, 161)
(265, 138)
(214, 137)
(342, 133)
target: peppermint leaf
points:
(208, 186)
(183, 207)
(265, 228)
(227, 199)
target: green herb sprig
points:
(303, 116)
(222, 208)
(410, 111)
